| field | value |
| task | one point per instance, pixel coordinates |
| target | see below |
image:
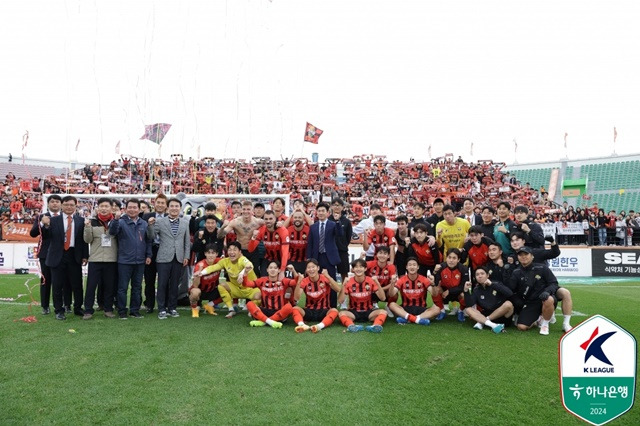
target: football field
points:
(221, 371)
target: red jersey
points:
(208, 282)
(272, 292)
(276, 244)
(383, 274)
(414, 293)
(317, 293)
(360, 293)
(449, 278)
(478, 254)
(298, 243)
(388, 238)
(426, 255)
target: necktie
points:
(321, 243)
(67, 236)
(469, 219)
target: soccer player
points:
(242, 227)
(317, 288)
(413, 288)
(360, 290)
(206, 236)
(452, 231)
(403, 239)
(535, 288)
(492, 299)
(276, 242)
(205, 287)
(380, 236)
(384, 271)
(476, 249)
(364, 226)
(236, 266)
(298, 237)
(418, 217)
(488, 221)
(449, 283)
(423, 248)
(504, 227)
(437, 216)
(499, 268)
(274, 309)
(533, 234)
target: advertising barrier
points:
(572, 262)
(615, 261)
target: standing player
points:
(476, 249)
(452, 231)
(205, 287)
(413, 288)
(533, 233)
(403, 239)
(492, 298)
(275, 240)
(360, 290)
(243, 227)
(449, 280)
(504, 227)
(488, 221)
(317, 288)
(274, 309)
(298, 238)
(380, 236)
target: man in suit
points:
(339, 215)
(322, 245)
(173, 255)
(150, 270)
(66, 255)
(53, 206)
(469, 214)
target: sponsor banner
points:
(25, 256)
(615, 262)
(572, 262)
(17, 232)
(6, 256)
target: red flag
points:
(312, 133)
(615, 135)
(77, 145)
(118, 148)
(155, 132)
(25, 139)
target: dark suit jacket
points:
(477, 222)
(332, 233)
(55, 235)
(43, 244)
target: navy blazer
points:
(332, 234)
(43, 244)
(55, 234)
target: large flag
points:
(155, 132)
(312, 133)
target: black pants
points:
(104, 277)
(150, 272)
(168, 280)
(45, 285)
(68, 273)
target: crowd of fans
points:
(361, 181)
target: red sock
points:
(283, 313)
(330, 318)
(411, 318)
(438, 301)
(217, 301)
(462, 304)
(380, 319)
(393, 298)
(297, 316)
(345, 320)
(194, 305)
(255, 312)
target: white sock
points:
(490, 323)
(417, 321)
(211, 303)
(320, 326)
(301, 323)
(406, 317)
(544, 323)
(269, 321)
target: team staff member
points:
(452, 231)
(340, 215)
(413, 289)
(53, 206)
(533, 233)
(492, 297)
(66, 255)
(151, 270)
(205, 237)
(403, 239)
(103, 260)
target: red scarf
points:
(105, 219)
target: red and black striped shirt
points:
(414, 293)
(360, 293)
(298, 243)
(317, 293)
(276, 244)
(383, 274)
(272, 292)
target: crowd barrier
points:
(572, 262)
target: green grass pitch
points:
(220, 371)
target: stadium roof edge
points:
(578, 161)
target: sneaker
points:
(136, 315)
(424, 321)
(389, 313)
(100, 308)
(441, 315)
(162, 315)
(401, 321)
(209, 309)
(46, 311)
(195, 312)
(461, 316)
(278, 324)
(539, 321)
(499, 328)
(67, 310)
(174, 314)
(87, 316)
(236, 308)
(256, 323)
(302, 328)
(566, 328)
(478, 326)
(544, 330)
(353, 328)
(123, 316)
(149, 310)
(109, 315)
(315, 328)
(374, 328)
(231, 314)
(553, 319)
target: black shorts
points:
(502, 320)
(315, 315)
(414, 310)
(361, 316)
(268, 312)
(531, 311)
(210, 295)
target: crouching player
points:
(317, 289)
(205, 287)
(360, 290)
(449, 279)
(413, 288)
(274, 309)
(236, 266)
(492, 299)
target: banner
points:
(570, 228)
(572, 262)
(312, 133)
(618, 262)
(17, 232)
(25, 256)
